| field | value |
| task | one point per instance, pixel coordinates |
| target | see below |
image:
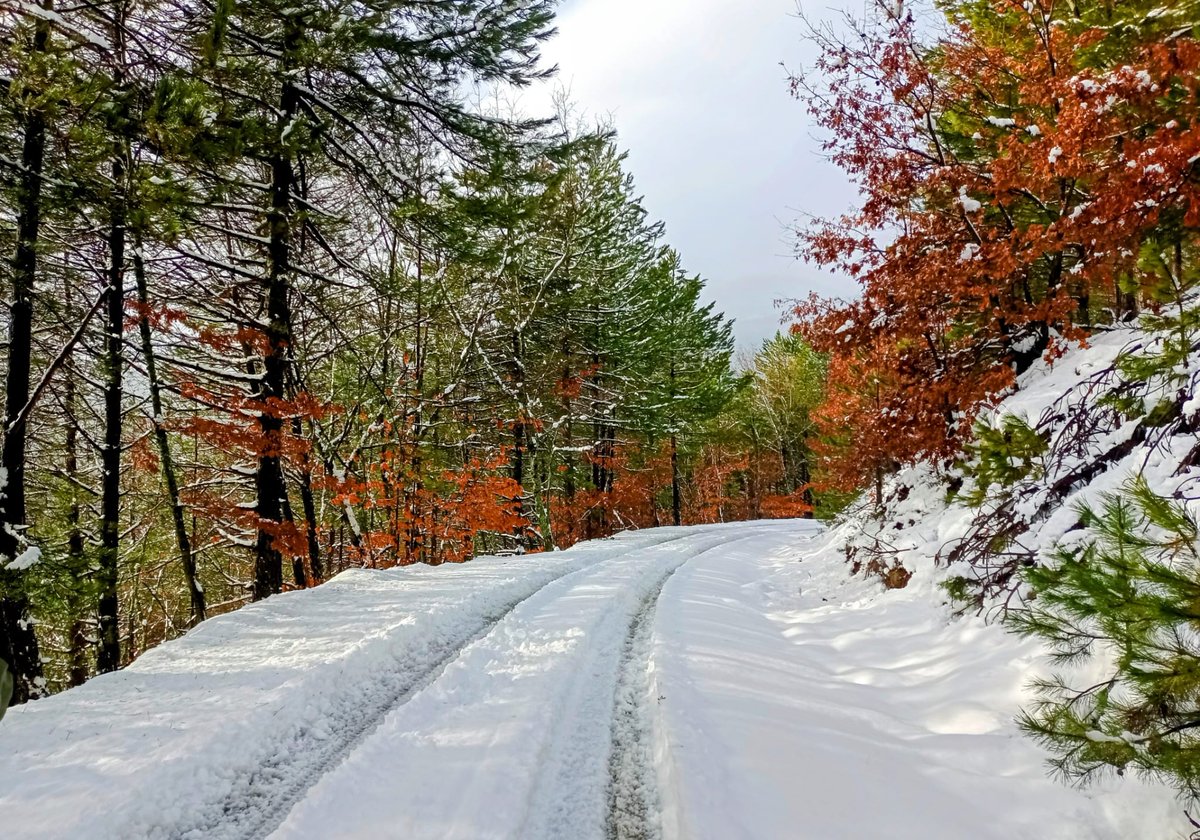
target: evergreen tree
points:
(691, 379)
(1123, 594)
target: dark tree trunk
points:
(79, 601)
(315, 571)
(518, 457)
(412, 537)
(1025, 358)
(676, 503)
(299, 576)
(595, 520)
(310, 521)
(806, 483)
(1125, 304)
(108, 657)
(1083, 307)
(522, 446)
(18, 641)
(187, 558)
(270, 489)
(785, 459)
(76, 560)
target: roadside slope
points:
(796, 703)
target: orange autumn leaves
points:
(432, 521)
(1013, 171)
(723, 484)
(388, 502)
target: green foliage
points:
(960, 590)
(1169, 278)
(1001, 455)
(1126, 402)
(1124, 596)
(771, 418)
(215, 42)
(690, 380)
(828, 503)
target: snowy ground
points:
(717, 682)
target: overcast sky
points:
(723, 154)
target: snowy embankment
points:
(802, 704)
(715, 682)
(1093, 448)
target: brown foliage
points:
(1010, 178)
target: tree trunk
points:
(270, 490)
(77, 596)
(316, 572)
(1125, 304)
(108, 657)
(412, 537)
(18, 641)
(310, 520)
(76, 560)
(518, 448)
(187, 558)
(1083, 306)
(785, 459)
(676, 505)
(521, 443)
(806, 483)
(299, 575)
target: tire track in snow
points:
(633, 800)
(634, 804)
(596, 755)
(258, 803)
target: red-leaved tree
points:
(1013, 167)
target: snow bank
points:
(795, 703)
(922, 525)
(919, 683)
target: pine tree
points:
(1124, 594)
(28, 92)
(692, 378)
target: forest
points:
(298, 289)
(294, 288)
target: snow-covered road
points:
(717, 682)
(514, 738)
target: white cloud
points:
(723, 154)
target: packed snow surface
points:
(715, 682)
